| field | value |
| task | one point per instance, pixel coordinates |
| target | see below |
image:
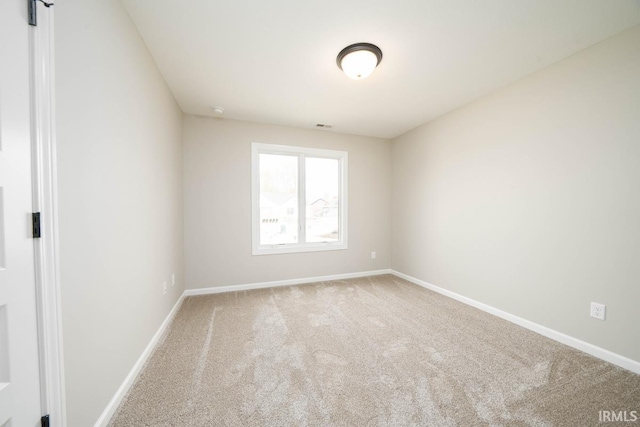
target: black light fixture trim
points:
(356, 47)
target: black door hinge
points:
(44, 421)
(35, 217)
(33, 10)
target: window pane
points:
(322, 200)
(278, 199)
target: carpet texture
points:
(374, 351)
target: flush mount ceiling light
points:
(359, 60)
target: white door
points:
(19, 365)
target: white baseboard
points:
(111, 408)
(601, 353)
(245, 287)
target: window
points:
(299, 199)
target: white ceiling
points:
(274, 61)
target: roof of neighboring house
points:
(276, 199)
(333, 203)
(321, 201)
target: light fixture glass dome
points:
(359, 60)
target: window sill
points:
(288, 249)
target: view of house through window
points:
(278, 199)
(322, 200)
(300, 202)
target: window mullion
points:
(302, 214)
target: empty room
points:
(357, 213)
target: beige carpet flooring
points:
(375, 351)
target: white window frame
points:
(301, 153)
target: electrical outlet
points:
(373, 255)
(598, 310)
(164, 287)
(173, 280)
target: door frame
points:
(45, 201)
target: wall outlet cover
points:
(598, 310)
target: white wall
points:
(528, 199)
(120, 194)
(217, 203)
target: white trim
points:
(591, 349)
(45, 201)
(278, 283)
(111, 408)
(122, 391)
(601, 353)
(301, 152)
